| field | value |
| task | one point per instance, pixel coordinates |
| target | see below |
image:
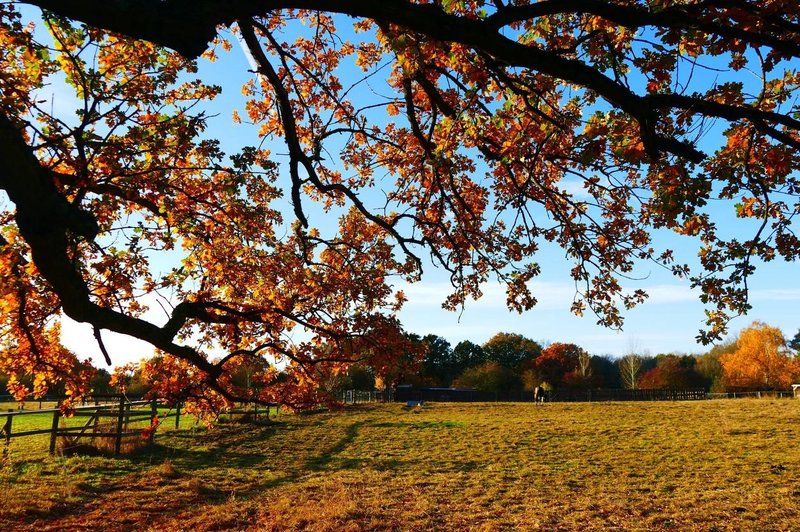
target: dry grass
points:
(717, 465)
(89, 444)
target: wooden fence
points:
(352, 397)
(627, 395)
(768, 394)
(119, 417)
(462, 395)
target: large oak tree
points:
(469, 117)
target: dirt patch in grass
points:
(716, 465)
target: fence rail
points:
(627, 395)
(768, 394)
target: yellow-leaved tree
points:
(762, 360)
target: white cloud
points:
(775, 294)
(669, 293)
(575, 189)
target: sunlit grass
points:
(694, 465)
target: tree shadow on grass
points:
(235, 439)
(324, 460)
(420, 424)
(209, 469)
(329, 459)
(190, 468)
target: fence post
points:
(7, 428)
(96, 425)
(153, 418)
(54, 431)
(120, 419)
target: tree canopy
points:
(510, 350)
(472, 131)
(761, 361)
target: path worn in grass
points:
(713, 465)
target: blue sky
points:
(667, 322)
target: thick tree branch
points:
(187, 26)
(685, 17)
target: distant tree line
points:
(100, 383)
(760, 358)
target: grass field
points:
(711, 465)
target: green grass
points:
(711, 465)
